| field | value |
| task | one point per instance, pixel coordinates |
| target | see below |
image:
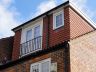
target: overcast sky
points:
(16, 12)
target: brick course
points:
(59, 35)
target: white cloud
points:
(6, 2)
(47, 5)
(7, 18)
(82, 5)
(44, 6)
(79, 3)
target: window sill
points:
(55, 28)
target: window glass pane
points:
(59, 20)
(29, 35)
(37, 31)
(36, 40)
(45, 67)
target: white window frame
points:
(40, 63)
(54, 19)
(31, 27)
(33, 37)
(33, 30)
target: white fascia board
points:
(83, 15)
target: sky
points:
(16, 12)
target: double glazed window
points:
(33, 33)
(58, 19)
(32, 40)
(43, 66)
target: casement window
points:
(42, 66)
(37, 31)
(37, 40)
(33, 40)
(58, 19)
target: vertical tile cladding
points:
(78, 25)
(16, 45)
(45, 30)
(61, 34)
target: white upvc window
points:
(34, 32)
(42, 66)
(31, 39)
(58, 19)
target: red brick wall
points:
(16, 45)
(74, 26)
(59, 35)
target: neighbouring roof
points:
(6, 46)
(64, 4)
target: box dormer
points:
(31, 37)
(55, 26)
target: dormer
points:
(31, 37)
(62, 23)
